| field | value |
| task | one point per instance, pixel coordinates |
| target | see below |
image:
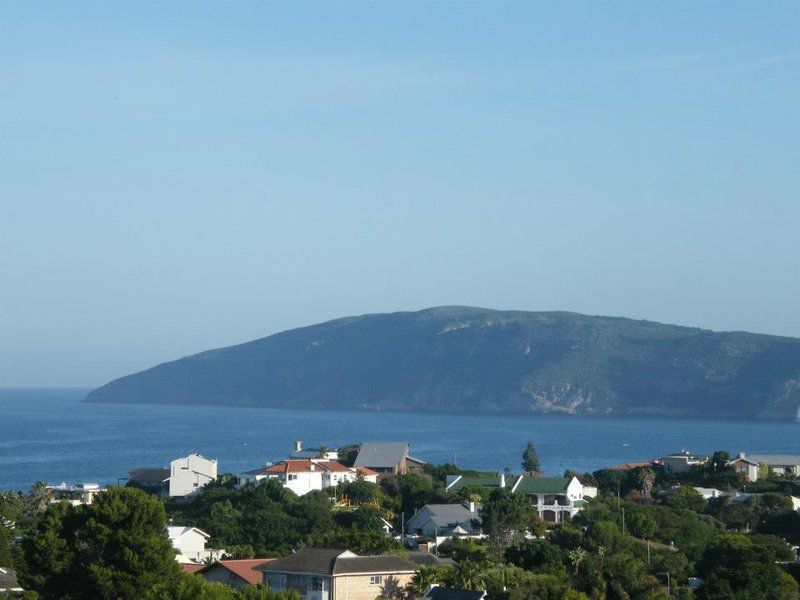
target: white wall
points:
(189, 474)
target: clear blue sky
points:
(180, 176)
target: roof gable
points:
(246, 569)
(383, 455)
(542, 485)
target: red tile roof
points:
(191, 567)
(306, 465)
(630, 466)
(366, 472)
(244, 568)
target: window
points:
(375, 579)
(276, 581)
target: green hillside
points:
(460, 359)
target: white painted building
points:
(682, 462)
(187, 475)
(190, 545)
(307, 475)
(80, 493)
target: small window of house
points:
(375, 579)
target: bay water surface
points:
(49, 435)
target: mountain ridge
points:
(483, 360)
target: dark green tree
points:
(505, 513)
(530, 460)
(6, 557)
(114, 549)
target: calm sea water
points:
(49, 435)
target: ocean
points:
(49, 435)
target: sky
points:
(188, 175)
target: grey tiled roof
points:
(383, 455)
(333, 562)
(774, 459)
(442, 515)
(372, 564)
(148, 474)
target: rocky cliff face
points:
(472, 359)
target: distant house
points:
(190, 545)
(184, 477)
(445, 520)
(745, 467)
(437, 592)
(682, 462)
(321, 452)
(8, 582)
(151, 479)
(235, 573)
(387, 458)
(709, 493)
(555, 498)
(307, 475)
(630, 466)
(322, 574)
(780, 464)
(80, 493)
(189, 474)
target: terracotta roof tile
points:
(243, 568)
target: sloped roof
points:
(542, 485)
(303, 465)
(176, 531)
(192, 567)
(444, 593)
(336, 562)
(487, 481)
(246, 569)
(307, 560)
(777, 460)
(443, 515)
(426, 558)
(381, 455)
(8, 580)
(148, 474)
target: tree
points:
(6, 558)
(646, 479)
(719, 461)
(686, 497)
(505, 513)
(530, 460)
(114, 549)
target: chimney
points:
(298, 446)
(471, 506)
(502, 480)
(741, 454)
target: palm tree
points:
(576, 556)
(423, 580)
(646, 479)
(468, 575)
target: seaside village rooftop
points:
(342, 574)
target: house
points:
(154, 480)
(420, 558)
(80, 493)
(324, 574)
(437, 592)
(682, 462)
(745, 467)
(387, 458)
(190, 473)
(779, 464)
(490, 481)
(556, 498)
(307, 475)
(8, 582)
(708, 493)
(190, 545)
(445, 520)
(321, 452)
(630, 466)
(235, 573)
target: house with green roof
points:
(556, 498)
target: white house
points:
(190, 544)
(321, 452)
(80, 493)
(187, 475)
(555, 498)
(780, 464)
(682, 462)
(307, 475)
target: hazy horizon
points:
(179, 177)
